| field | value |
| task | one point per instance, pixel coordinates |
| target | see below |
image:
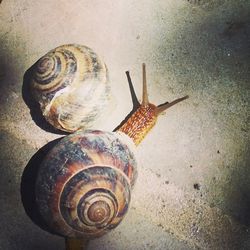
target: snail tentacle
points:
(145, 101)
(136, 103)
(162, 107)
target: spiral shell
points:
(71, 85)
(84, 184)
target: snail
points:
(64, 82)
(83, 189)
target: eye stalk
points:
(143, 116)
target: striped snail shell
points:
(84, 183)
(71, 85)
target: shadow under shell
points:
(28, 182)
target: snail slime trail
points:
(84, 183)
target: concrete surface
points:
(194, 178)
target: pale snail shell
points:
(71, 85)
(84, 183)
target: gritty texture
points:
(194, 178)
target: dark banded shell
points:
(71, 85)
(84, 184)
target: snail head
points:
(144, 115)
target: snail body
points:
(84, 184)
(71, 85)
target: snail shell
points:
(71, 85)
(84, 184)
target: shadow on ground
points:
(28, 185)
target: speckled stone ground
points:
(194, 179)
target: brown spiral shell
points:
(71, 85)
(84, 184)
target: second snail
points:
(84, 183)
(71, 85)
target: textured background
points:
(193, 189)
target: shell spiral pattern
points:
(71, 85)
(84, 184)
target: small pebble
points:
(197, 186)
